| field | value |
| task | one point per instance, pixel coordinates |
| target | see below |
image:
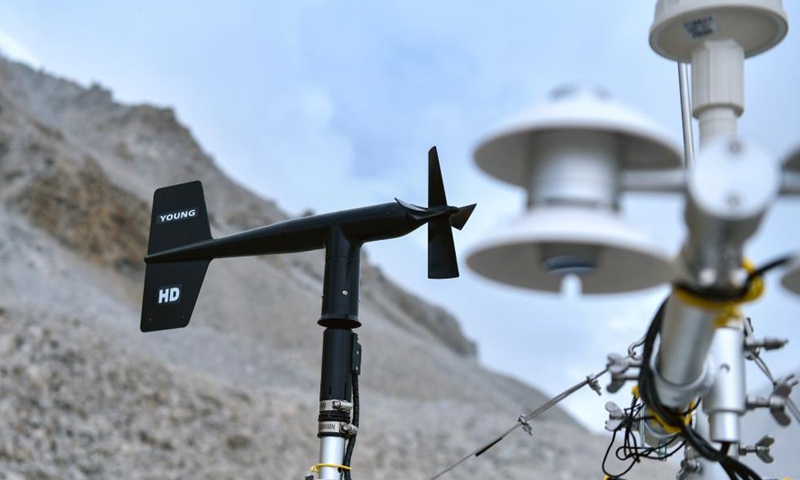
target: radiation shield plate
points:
(546, 244)
(643, 144)
(680, 26)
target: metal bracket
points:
(618, 367)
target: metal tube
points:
(331, 452)
(575, 167)
(686, 335)
(686, 115)
(717, 88)
(725, 402)
(658, 181)
(717, 122)
(335, 395)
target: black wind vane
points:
(181, 248)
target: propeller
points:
(441, 217)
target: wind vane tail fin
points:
(171, 288)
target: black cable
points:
(760, 271)
(351, 442)
(630, 450)
(605, 459)
(626, 423)
(650, 398)
(730, 296)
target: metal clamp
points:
(335, 406)
(329, 428)
(618, 367)
(525, 425)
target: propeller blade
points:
(459, 219)
(436, 196)
(442, 262)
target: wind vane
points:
(181, 247)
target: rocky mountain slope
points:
(85, 395)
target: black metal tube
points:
(337, 365)
(340, 288)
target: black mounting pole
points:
(341, 352)
(341, 281)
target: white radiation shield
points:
(545, 245)
(570, 156)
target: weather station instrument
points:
(181, 247)
(576, 155)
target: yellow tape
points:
(728, 310)
(657, 421)
(315, 468)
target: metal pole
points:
(339, 350)
(686, 114)
(708, 470)
(331, 452)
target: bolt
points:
(344, 292)
(707, 277)
(738, 277)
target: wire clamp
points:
(525, 425)
(591, 380)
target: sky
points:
(328, 105)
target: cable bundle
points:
(630, 449)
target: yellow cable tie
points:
(656, 420)
(728, 308)
(315, 468)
